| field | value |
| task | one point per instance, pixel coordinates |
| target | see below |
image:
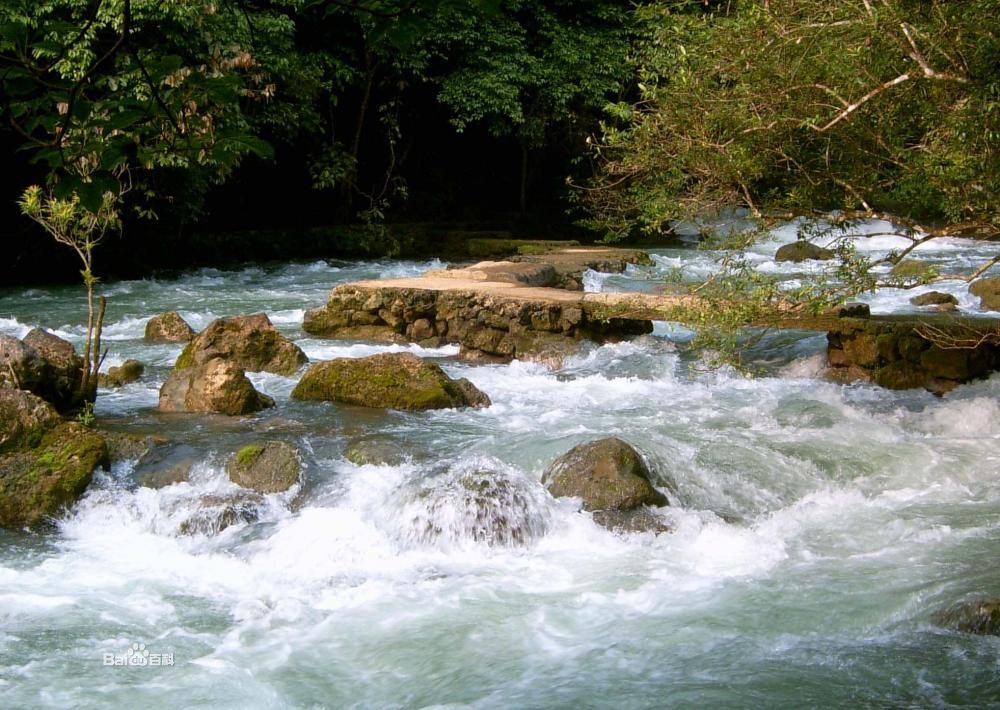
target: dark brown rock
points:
(802, 251)
(977, 617)
(606, 474)
(21, 366)
(934, 298)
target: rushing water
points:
(817, 528)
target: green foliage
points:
(794, 105)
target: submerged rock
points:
(161, 478)
(637, 520)
(212, 514)
(977, 617)
(168, 327)
(24, 419)
(129, 371)
(270, 467)
(489, 507)
(934, 298)
(251, 342)
(988, 290)
(374, 452)
(607, 474)
(36, 483)
(389, 380)
(216, 386)
(802, 251)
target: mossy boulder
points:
(168, 327)
(607, 474)
(977, 617)
(36, 483)
(121, 375)
(24, 419)
(216, 386)
(934, 298)
(988, 291)
(802, 251)
(251, 342)
(268, 467)
(389, 380)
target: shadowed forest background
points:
(545, 118)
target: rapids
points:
(817, 528)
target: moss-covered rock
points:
(129, 371)
(168, 327)
(251, 342)
(24, 419)
(36, 483)
(389, 380)
(977, 617)
(802, 251)
(216, 386)
(606, 474)
(268, 467)
(988, 291)
(910, 270)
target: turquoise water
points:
(818, 528)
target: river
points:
(817, 529)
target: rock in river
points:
(251, 342)
(607, 474)
(270, 467)
(215, 386)
(389, 380)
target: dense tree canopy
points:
(790, 106)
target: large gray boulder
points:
(216, 386)
(389, 380)
(168, 327)
(21, 366)
(269, 467)
(251, 342)
(607, 474)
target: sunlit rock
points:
(168, 327)
(216, 386)
(251, 342)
